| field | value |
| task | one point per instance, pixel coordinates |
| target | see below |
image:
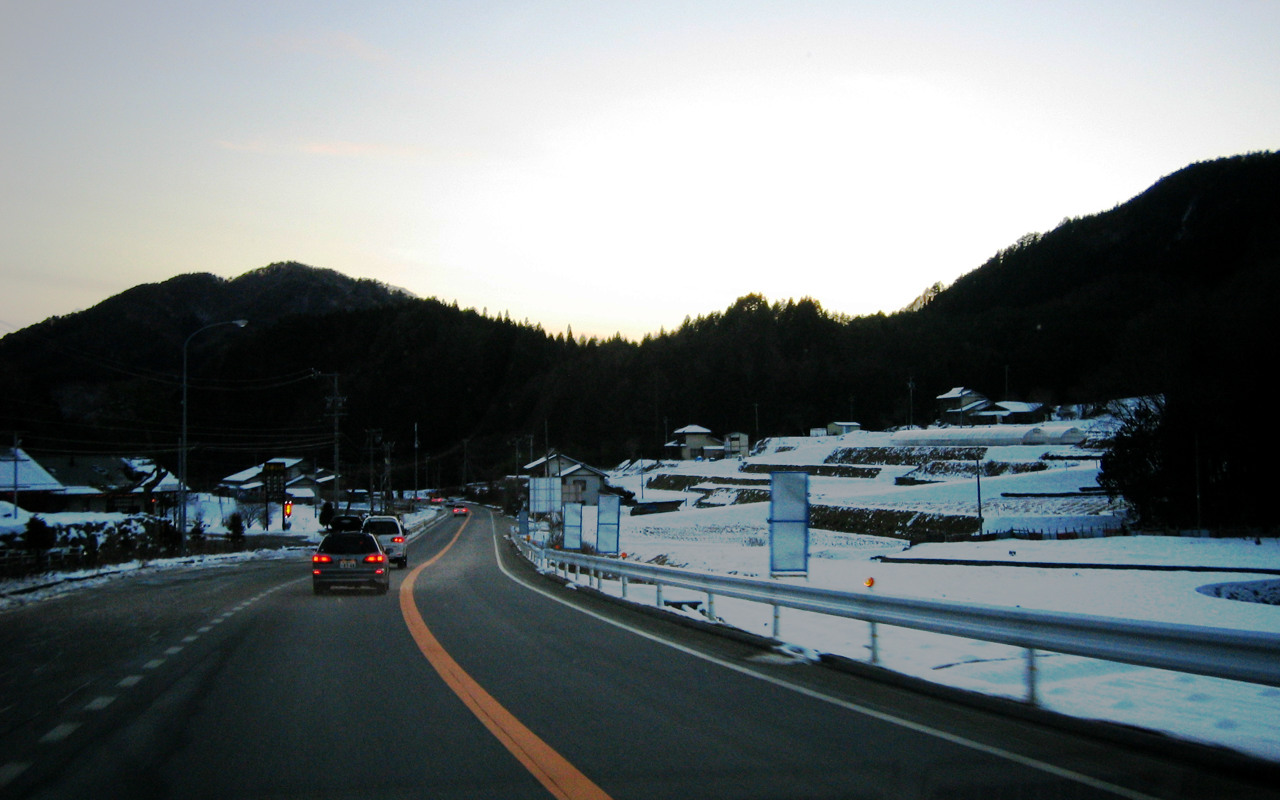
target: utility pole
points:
(911, 399)
(17, 442)
(373, 438)
(386, 473)
(335, 402)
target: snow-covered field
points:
(1241, 716)
(734, 540)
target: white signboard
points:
(789, 523)
(544, 495)
(573, 526)
(608, 515)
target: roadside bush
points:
(39, 535)
(235, 528)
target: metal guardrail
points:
(1216, 652)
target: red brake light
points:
(397, 539)
(375, 558)
(321, 558)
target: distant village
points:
(98, 483)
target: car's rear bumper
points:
(349, 577)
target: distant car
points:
(350, 559)
(346, 522)
(460, 511)
(391, 536)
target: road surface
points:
(475, 677)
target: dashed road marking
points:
(173, 651)
(129, 680)
(100, 702)
(12, 770)
(59, 733)
(153, 663)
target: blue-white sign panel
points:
(608, 515)
(544, 495)
(522, 523)
(789, 523)
(573, 526)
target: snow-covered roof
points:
(693, 429)
(254, 471)
(970, 406)
(31, 477)
(956, 393)
(1018, 407)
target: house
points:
(302, 483)
(35, 488)
(90, 483)
(960, 405)
(113, 483)
(1012, 412)
(737, 445)
(693, 442)
(579, 483)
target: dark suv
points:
(350, 559)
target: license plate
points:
(347, 563)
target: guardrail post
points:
(711, 606)
(624, 587)
(1032, 697)
(659, 588)
(875, 643)
(777, 621)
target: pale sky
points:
(610, 166)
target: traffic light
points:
(288, 509)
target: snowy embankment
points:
(1241, 716)
(733, 539)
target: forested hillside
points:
(1170, 292)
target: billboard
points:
(544, 495)
(608, 515)
(789, 523)
(573, 526)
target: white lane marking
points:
(189, 639)
(153, 663)
(12, 770)
(100, 702)
(59, 733)
(173, 651)
(1060, 772)
(204, 629)
(129, 680)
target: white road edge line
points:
(880, 715)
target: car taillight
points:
(375, 558)
(321, 558)
(397, 539)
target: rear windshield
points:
(381, 527)
(348, 544)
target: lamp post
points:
(182, 451)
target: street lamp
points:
(182, 451)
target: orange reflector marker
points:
(869, 582)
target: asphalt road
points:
(477, 678)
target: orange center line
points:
(550, 768)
